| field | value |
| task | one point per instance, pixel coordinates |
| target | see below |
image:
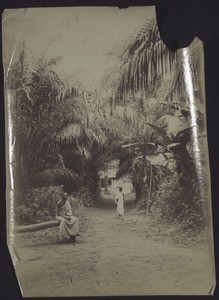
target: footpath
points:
(111, 258)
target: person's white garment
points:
(70, 227)
(119, 200)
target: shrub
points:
(84, 196)
(178, 203)
(37, 205)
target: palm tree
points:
(151, 89)
(48, 118)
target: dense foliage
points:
(63, 134)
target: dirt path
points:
(111, 258)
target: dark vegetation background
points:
(179, 22)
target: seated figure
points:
(68, 229)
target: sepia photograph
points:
(108, 179)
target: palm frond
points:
(161, 132)
(69, 133)
(145, 59)
(57, 175)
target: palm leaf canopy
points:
(145, 59)
(57, 175)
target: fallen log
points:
(35, 227)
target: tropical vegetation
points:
(64, 134)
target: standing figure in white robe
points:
(119, 200)
(68, 228)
